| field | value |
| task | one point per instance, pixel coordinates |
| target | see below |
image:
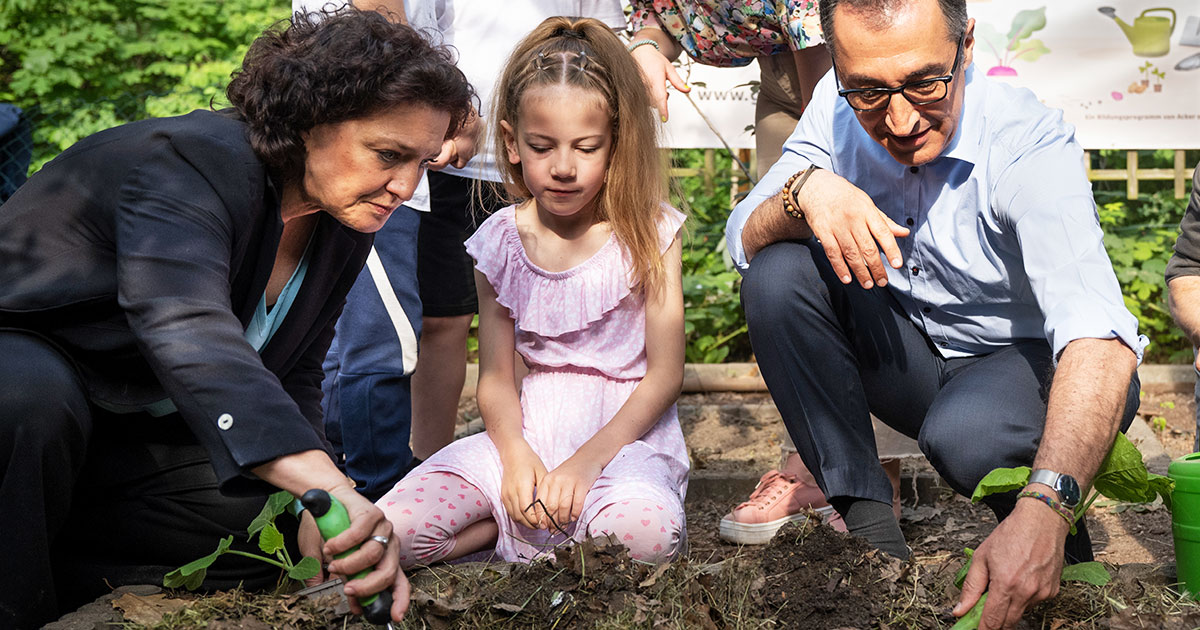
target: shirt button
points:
(225, 422)
(943, 344)
(909, 221)
(913, 169)
(927, 310)
(916, 271)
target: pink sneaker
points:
(779, 498)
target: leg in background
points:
(446, 275)
(438, 382)
(438, 517)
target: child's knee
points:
(651, 531)
(423, 522)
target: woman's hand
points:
(563, 489)
(657, 71)
(300, 472)
(523, 473)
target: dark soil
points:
(809, 576)
(820, 576)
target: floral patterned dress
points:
(727, 34)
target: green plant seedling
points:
(1122, 477)
(270, 541)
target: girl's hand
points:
(564, 488)
(523, 473)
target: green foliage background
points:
(79, 66)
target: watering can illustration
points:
(1150, 35)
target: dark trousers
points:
(367, 387)
(833, 354)
(91, 500)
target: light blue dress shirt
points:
(1005, 242)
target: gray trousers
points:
(832, 354)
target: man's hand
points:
(1018, 565)
(459, 150)
(851, 228)
(522, 476)
(657, 71)
(564, 488)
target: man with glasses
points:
(927, 249)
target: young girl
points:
(582, 278)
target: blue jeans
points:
(367, 396)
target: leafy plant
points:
(1140, 239)
(1122, 477)
(713, 321)
(270, 541)
(1016, 44)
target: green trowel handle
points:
(332, 519)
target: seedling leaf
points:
(1091, 572)
(269, 539)
(276, 504)
(1001, 480)
(1124, 477)
(192, 574)
(962, 573)
(306, 568)
(970, 621)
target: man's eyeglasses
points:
(921, 92)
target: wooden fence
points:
(1180, 174)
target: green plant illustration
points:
(1145, 70)
(1016, 44)
(270, 541)
(1159, 75)
(1122, 477)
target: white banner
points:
(1127, 77)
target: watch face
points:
(1068, 490)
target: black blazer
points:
(143, 250)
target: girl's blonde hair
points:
(584, 53)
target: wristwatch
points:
(1065, 485)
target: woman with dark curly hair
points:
(168, 290)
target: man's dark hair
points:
(330, 68)
(954, 12)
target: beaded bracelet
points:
(643, 42)
(788, 194)
(1062, 511)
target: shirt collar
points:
(967, 143)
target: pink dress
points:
(582, 332)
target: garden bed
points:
(808, 577)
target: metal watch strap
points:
(1053, 480)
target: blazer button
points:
(225, 422)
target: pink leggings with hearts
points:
(429, 511)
